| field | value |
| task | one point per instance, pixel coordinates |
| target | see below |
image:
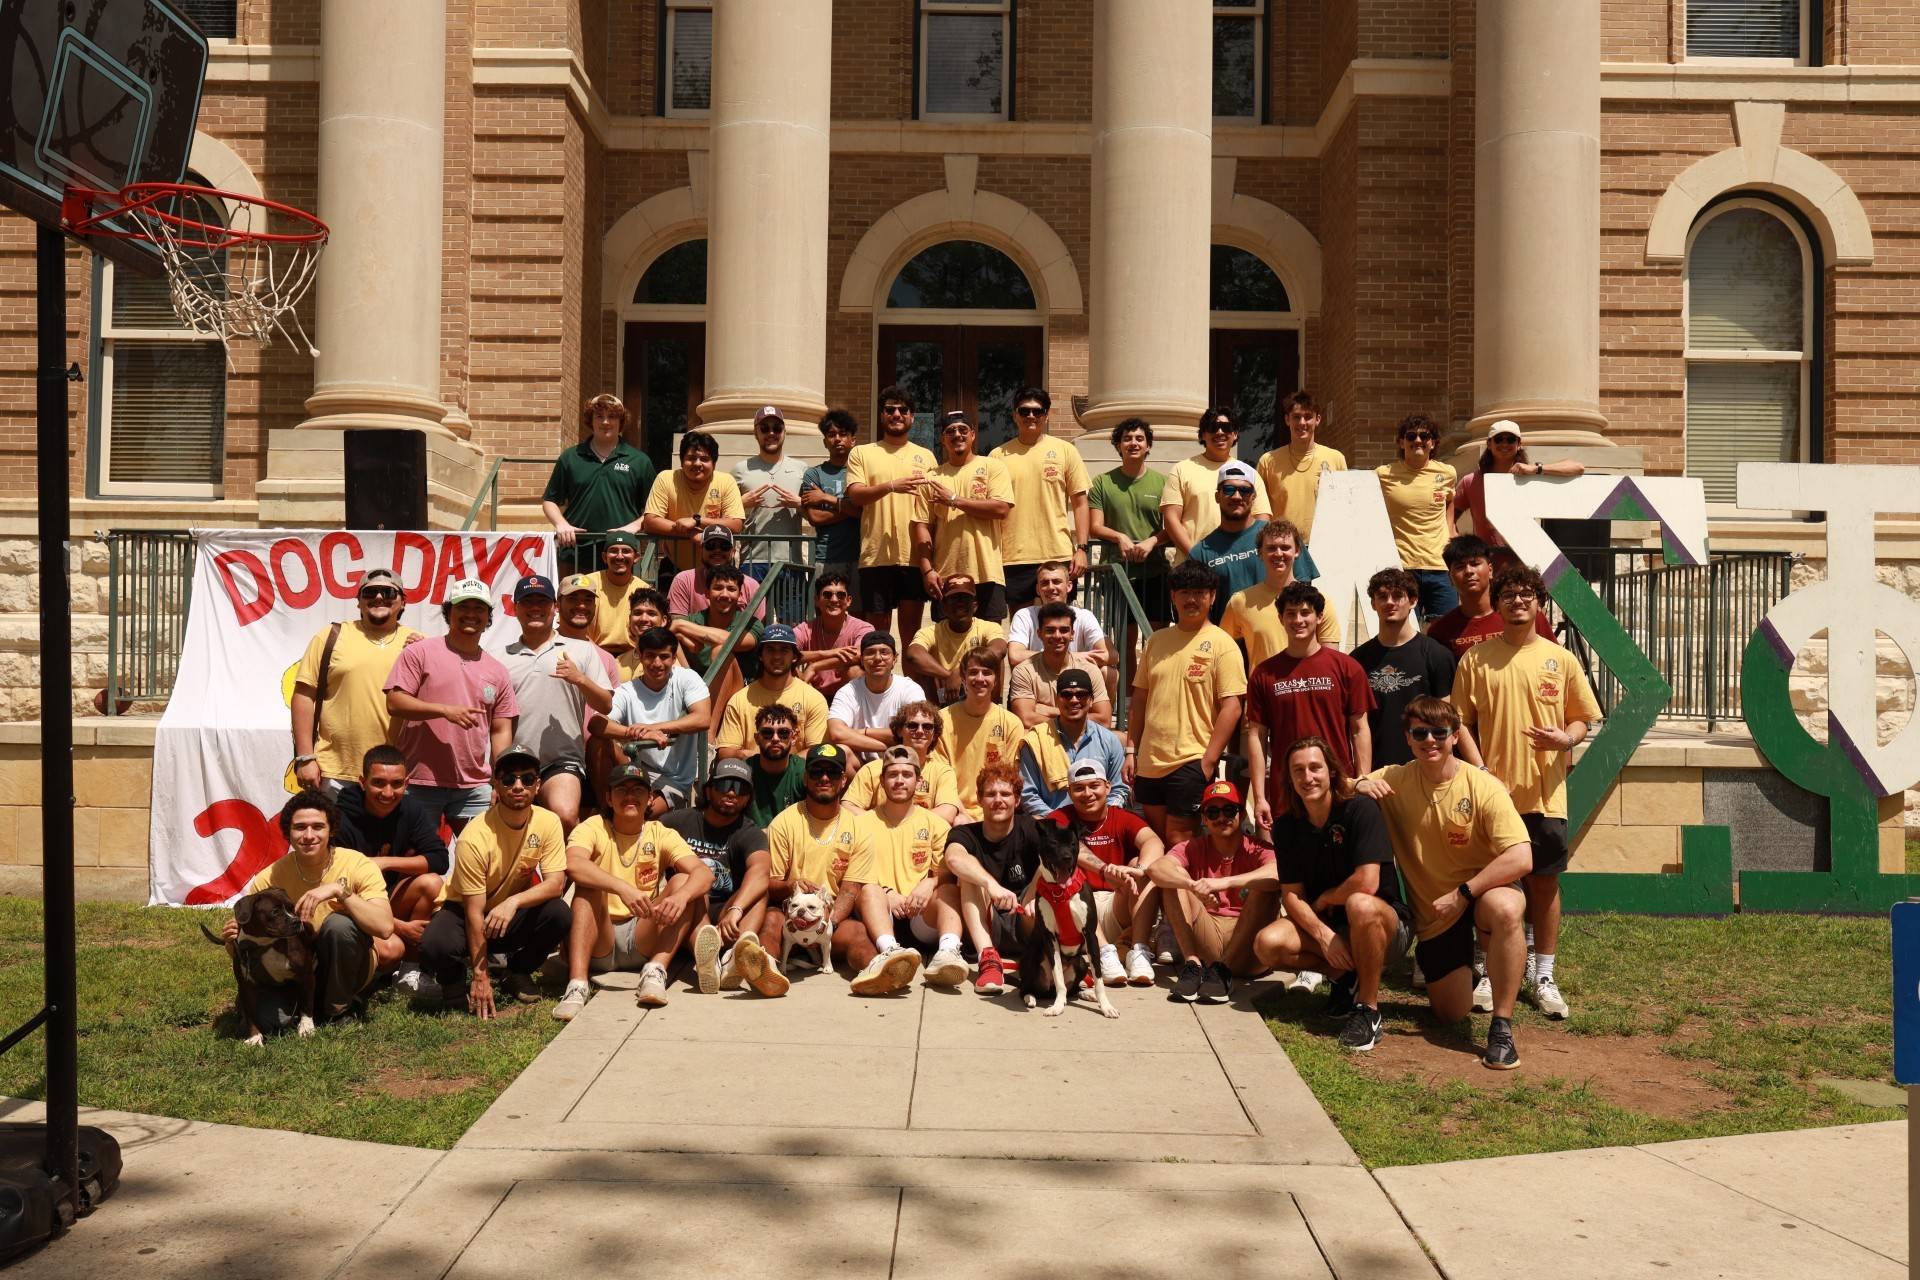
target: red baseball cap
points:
(1222, 790)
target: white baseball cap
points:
(470, 589)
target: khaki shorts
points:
(1221, 927)
(1103, 909)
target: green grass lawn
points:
(1681, 1028)
(158, 1035)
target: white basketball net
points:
(248, 289)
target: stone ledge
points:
(88, 731)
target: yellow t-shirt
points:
(949, 646)
(1502, 690)
(1179, 687)
(1292, 481)
(644, 859)
(1417, 510)
(806, 702)
(353, 719)
(964, 543)
(799, 847)
(495, 862)
(1046, 474)
(1191, 486)
(612, 609)
(901, 855)
(1443, 837)
(1253, 618)
(363, 878)
(676, 497)
(936, 785)
(969, 743)
(886, 526)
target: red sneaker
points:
(993, 979)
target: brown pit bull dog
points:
(274, 947)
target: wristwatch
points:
(300, 760)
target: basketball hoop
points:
(240, 278)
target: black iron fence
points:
(149, 589)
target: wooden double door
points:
(977, 369)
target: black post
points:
(56, 726)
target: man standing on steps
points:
(957, 524)
(686, 500)
(1292, 473)
(598, 486)
(616, 581)
(559, 683)
(836, 549)
(1189, 504)
(339, 699)
(1232, 550)
(770, 484)
(1402, 663)
(1125, 506)
(1253, 615)
(1305, 691)
(883, 483)
(1474, 620)
(578, 610)
(1051, 518)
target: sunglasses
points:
(1030, 411)
(1065, 695)
(836, 595)
(379, 593)
(1214, 812)
(895, 411)
(729, 786)
(1420, 437)
(920, 727)
(1425, 733)
(1236, 491)
(822, 771)
(772, 428)
(1219, 426)
(771, 731)
(521, 778)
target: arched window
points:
(1255, 355)
(677, 277)
(663, 350)
(161, 391)
(962, 275)
(1749, 339)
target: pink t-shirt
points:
(808, 633)
(443, 754)
(1472, 493)
(687, 593)
(1202, 863)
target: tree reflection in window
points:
(962, 275)
(677, 277)
(1241, 282)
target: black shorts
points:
(1178, 792)
(1441, 955)
(574, 767)
(1549, 839)
(884, 585)
(991, 598)
(1021, 591)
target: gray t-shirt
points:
(770, 518)
(553, 714)
(633, 703)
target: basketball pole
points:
(56, 726)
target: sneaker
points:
(887, 972)
(415, 982)
(946, 969)
(1362, 1031)
(572, 1001)
(1548, 1000)
(1139, 966)
(1419, 981)
(520, 987)
(1483, 995)
(706, 951)
(1165, 948)
(653, 987)
(1501, 1054)
(1111, 971)
(1340, 1003)
(992, 979)
(731, 979)
(1305, 980)
(758, 968)
(1217, 986)
(1187, 985)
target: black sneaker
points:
(1187, 985)
(1217, 988)
(1340, 1000)
(1501, 1054)
(1362, 1031)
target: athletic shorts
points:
(623, 955)
(1179, 791)
(1021, 588)
(574, 767)
(991, 603)
(1549, 839)
(1335, 918)
(457, 803)
(1442, 954)
(885, 585)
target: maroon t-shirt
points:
(1112, 841)
(1306, 697)
(1460, 633)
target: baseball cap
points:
(1504, 427)
(470, 589)
(382, 578)
(622, 539)
(779, 633)
(769, 413)
(1222, 790)
(1074, 678)
(952, 416)
(717, 535)
(827, 754)
(629, 772)
(513, 754)
(535, 586)
(900, 755)
(1086, 771)
(873, 638)
(959, 584)
(736, 770)
(1237, 470)
(577, 582)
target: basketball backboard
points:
(100, 93)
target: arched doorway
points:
(664, 348)
(1255, 356)
(962, 329)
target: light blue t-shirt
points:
(633, 703)
(839, 543)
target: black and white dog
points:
(1065, 941)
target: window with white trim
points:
(1749, 334)
(1238, 39)
(966, 63)
(687, 38)
(217, 19)
(1748, 30)
(161, 388)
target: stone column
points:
(1536, 242)
(767, 214)
(1152, 212)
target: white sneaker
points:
(653, 987)
(888, 972)
(1165, 948)
(946, 969)
(1548, 1000)
(706, 950)
(1305, 980)
(1111, 971)
(1139, 966)
(572, 1001)
(731, 979)
(1483, 995)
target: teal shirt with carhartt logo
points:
(597, 495)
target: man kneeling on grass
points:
(1219, 891)
(1462, 846)
(626, 913)
(1340, 896)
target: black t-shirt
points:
(1422, 667)
(774, 792)
(1319, 858)
(408, 832)
(723, 848)
(1012, 859)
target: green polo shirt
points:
(597, 495)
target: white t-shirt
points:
(859, 707)
(633, 703)
(769, 517)
(1026, 629)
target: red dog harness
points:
(1059, 895)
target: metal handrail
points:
(742, 620)
(1106, 584)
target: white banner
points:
(223, 754)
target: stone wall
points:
(20, 627)
(112, 781)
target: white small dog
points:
(809, 928)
